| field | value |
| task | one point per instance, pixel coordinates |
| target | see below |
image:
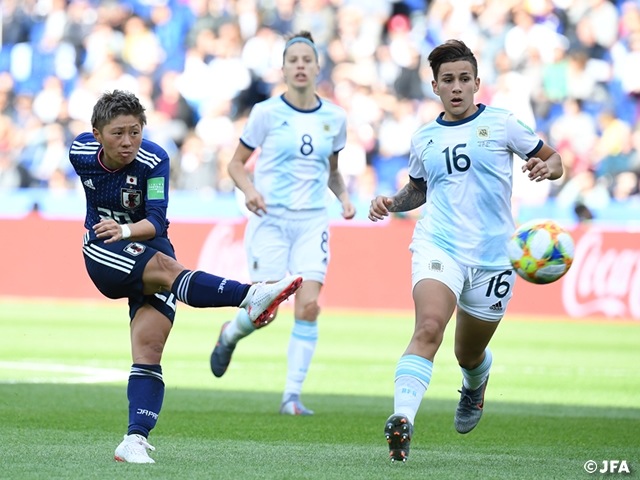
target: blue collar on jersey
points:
(299, 109)
(440, 120)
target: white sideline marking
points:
(84, 374)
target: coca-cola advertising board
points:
(370, 267)
(604, 280)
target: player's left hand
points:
(108, 229)
(538, 169)
(348, 211)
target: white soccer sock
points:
(238, 328)
(472, 379)
(413, 374)
(302, 345)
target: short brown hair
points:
(113, 104)
(451, 51)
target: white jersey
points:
(292, 170)
(467, 165)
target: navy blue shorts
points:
(116, 270)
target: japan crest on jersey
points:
(131, 199)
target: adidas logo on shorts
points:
(497, 307)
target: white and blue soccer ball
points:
(541, 251)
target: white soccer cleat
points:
(133, 449)
(263, 298)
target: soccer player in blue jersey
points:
(128, 254)
(461, 166)
(288, 231)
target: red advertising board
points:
(370, 266)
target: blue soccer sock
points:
(145, 393)
(302, 345)
(201, 289)
(472, 379)
(413, 374)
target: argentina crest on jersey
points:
(483, 133)
(131, 199)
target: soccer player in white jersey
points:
(128, 254)
(300, 136)
(461, 166)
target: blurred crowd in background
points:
(570, 69)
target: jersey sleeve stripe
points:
(148, 158)
(86, 145)
(86, 149)
(535, 150)
(247, 145)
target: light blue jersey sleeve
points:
(521, 139)
(257, 127)
(416, 167)
(340, 140)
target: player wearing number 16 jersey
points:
(300, 136)
(461, 167)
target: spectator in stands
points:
(576, 127)
(624, 187)
(586, 50)
(612, 152)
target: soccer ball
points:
(541, 251)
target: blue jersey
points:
(137, 191)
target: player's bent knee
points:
(429, 331)
(166, 263)
(310, 311)
(161, 271)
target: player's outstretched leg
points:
(263, 298)
(133, 449)
(470, 408)
(293, 406)
(398, 430)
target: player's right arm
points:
(253, 198)
(411, 196)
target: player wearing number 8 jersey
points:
(300, 136)
(461, 167)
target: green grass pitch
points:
(561, 393)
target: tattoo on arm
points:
(411, 196)
(336, 183)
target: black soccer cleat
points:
(470, 408)
(398, 431)
(221, 355)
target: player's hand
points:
(379, 208)
(108, 229)
(255, 202)
(537, 168)
(348, 210)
